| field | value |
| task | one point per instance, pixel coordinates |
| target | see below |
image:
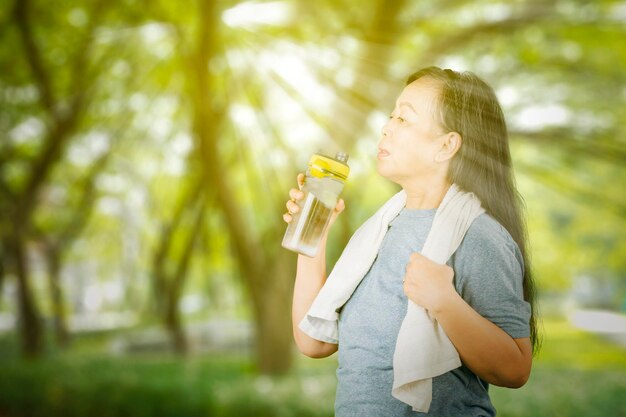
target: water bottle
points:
(324, 180)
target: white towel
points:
(423, 350)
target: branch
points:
(574, 191)
(85, 206)
(21, 12)
(563, 138)
(534, 13)
(63, 124)
(159, 274)
(168, 230)
(183, 264)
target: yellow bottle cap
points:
(324, 166)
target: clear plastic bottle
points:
(324, 180)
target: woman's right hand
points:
(296, 194)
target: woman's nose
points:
(385, 131)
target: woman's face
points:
(413, 136)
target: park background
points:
(146, 151)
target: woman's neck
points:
(425, 195)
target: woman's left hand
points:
(427, 283)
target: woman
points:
(447, 128)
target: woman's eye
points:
(401, 119)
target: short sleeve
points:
(488, 274)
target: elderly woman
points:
(446, 128)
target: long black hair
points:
(482, 165)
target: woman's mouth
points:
(382, 153)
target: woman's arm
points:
(310, 278)
(485, 348)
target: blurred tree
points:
(241, 96)
(56, 244)
(267, 274)
(60, 112)
(266, 277)
(169, 282)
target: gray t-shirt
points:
(488, 274)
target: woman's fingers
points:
(292, 207)
(295, 194)
(340, 206)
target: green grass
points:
(576, 374)
(568, 347)
(156, 386)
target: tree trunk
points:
(175, 329)
(3, 269)
(59, 133)
(272, 303)
(268, 285)
(61, 334)
(173, 321)
(29, 321)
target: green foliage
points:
(565, 392)
(322, 78)
(153, 387)
(101, 388)
(138, 63)
(569, 348)
(575, 374)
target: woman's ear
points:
(451, 143)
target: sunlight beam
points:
(250, 14)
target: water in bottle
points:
(324, 180)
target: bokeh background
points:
(146, 151)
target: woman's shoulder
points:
(489, 275)
(487, 239)
(487, 231)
